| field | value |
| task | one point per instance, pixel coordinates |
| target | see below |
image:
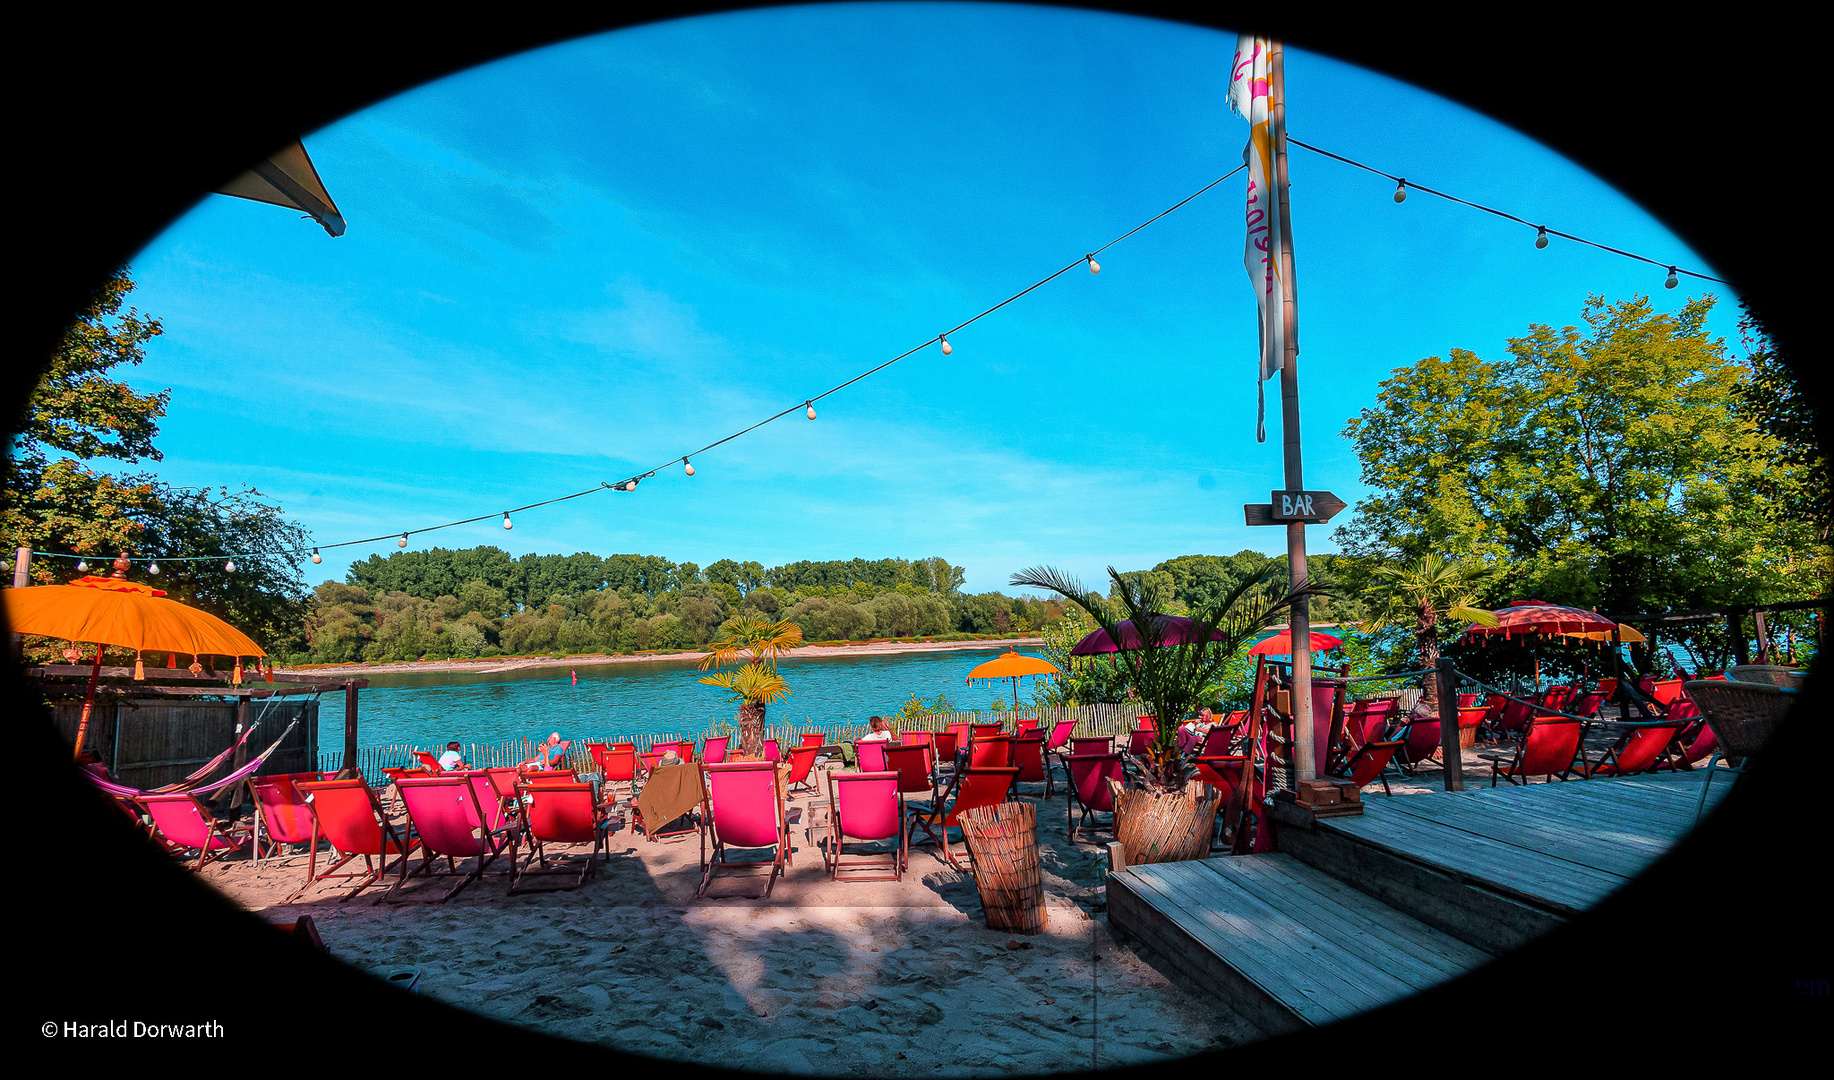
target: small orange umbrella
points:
(116, 611)
(1281, 644)
(1012, 665)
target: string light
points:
(82, 566)
(506, 522)
(229, 567)
(1401, 190)
(687, 466)
(630, 484)
(153, 568)
(1541, 237)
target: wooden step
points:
(1286, 945)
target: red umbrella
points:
(1526, 617)
(1173, 630)
(1281, 644)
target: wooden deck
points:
(1356, 912)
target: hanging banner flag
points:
(1261, 250)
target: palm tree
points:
(1173, 677)
(1423, 593)
(753, 643)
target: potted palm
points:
(753, 644)
(1172, 663)
(1422, 595)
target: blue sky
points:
(584, 261)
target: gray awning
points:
(286, 178)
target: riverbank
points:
(497, 664)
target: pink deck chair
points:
(1643, 747)
(1587, 705)
(963, 733)
(450, 824)
(742, 807)
(713, 751)
(187, 824)
(1060, 736)
(866, 808)
(1548, 750)
(557, 814)
(1022, 728)
(869, 756)
(1083, 746)
(347, 814)
(1139, 740)
(772, 752)
(802, 763)
(973, 788)
(1088, 789)
(499, 812)
(1419, 743)
(1697, 739)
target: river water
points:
(430, 709)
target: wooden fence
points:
(1091, 720)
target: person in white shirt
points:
(881, 731)
(452, 760)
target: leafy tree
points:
(1173, 678)
(1613, 468)
(54, 500)
(754, 644)
(1421, 596)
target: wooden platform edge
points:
(1130, 912)
(1448, 902)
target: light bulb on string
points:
(403, 542)
(1540, 236)
(1401, 191)
(506, 521)
(82, 566)
(229, 567)
(811, 405)
(946, 347)
(1672, 280)
(687, 466)
(1094, 267)
(629, 485)
(152, 568)
(316, 557)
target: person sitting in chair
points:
(551, 754)
(881, 731)
(452, 760)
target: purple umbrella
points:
(1173, 630)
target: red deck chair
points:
(1557, 698)
(911, 763)
(812, 738)
(1419, 743)
(1697, 739)
(945, 743)
(284, 815)
(1369, 763)
(187, 824)
(1028, 756)
(974, 788)
(1514, 717)
(1088, 789)
(866, 808)
(347, 813)
(990, 752)
(1222, 772)
(925, 739)
(742, 807)
(1643, 747)
(713, 751)
(802, 763)
(1083, 746)
(557, 814)
(450, 824)
(1548, 750)
(869, 755)
(618, 765)
(983, 731)
(429, 762)
(1587, 705)
(1022, 728)
(1665, 693)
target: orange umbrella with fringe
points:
(115, 611)
(1015, 666)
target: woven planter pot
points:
(1155, 826)
(1003, 839)
(1742, 715)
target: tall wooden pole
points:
(350, 732)
(1304, 763)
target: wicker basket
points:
(1793, 678)
(1742, 715)
(1156, 827)
(1003, 839)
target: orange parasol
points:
(115, 611)
(1012, 665)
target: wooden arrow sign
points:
(1316, 507)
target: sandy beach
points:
(494, 665)
(831, 978)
